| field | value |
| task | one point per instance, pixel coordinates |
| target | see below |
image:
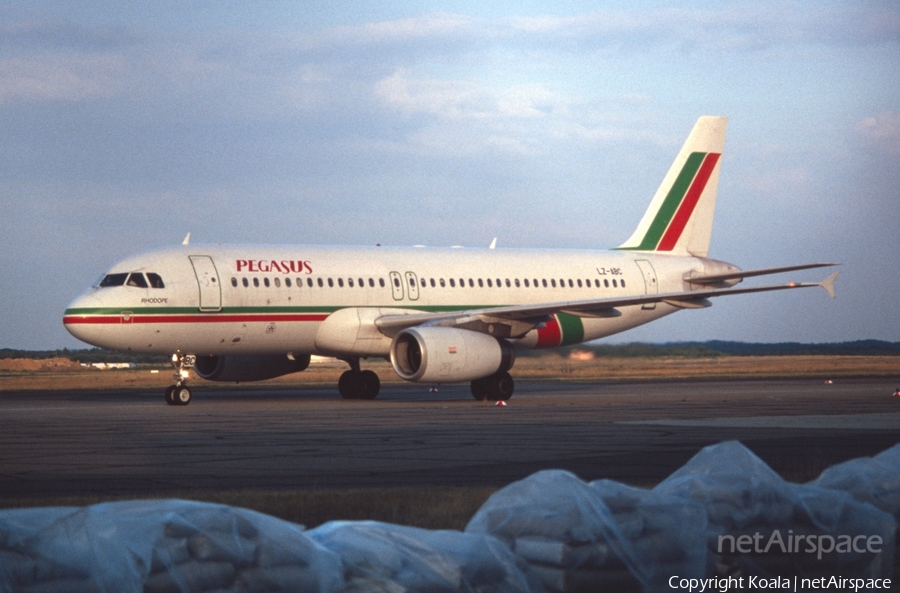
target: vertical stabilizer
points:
(679, 219)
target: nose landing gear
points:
(179, 394)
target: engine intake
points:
(247, 367)
(448, 355)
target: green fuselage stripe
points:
(572, 329)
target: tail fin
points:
(679, 219)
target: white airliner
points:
(247, 313)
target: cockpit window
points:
(155, 280)
(113, 280)
(137, 279)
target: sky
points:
(123, 126)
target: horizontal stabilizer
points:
(716, 278)
(828, 284)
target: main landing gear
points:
(496, 387)
(358, 384)
(180, 394)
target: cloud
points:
(881, 132)
(61, 77)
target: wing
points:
(519, 319)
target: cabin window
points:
(361, 283)
(350, 282)
(614, 283)
(431, 282)
(155, 280)
(517, 283)
(234, 282)
(412, 282)
(623, 282)
(489, 283)
(381, 282)
(480, 283)
(256, 282)
(526, 283)
(499, 284)
(244, 282)
(579, 283)
(277, 282)
(341, 282)
(320, 282)
(452, 283)
(287, 282)
(396, 282)
(535, 283)
(544, 282)
(331, 283)
(309, 282)
(266, 282)
(597, 283)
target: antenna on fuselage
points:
(187, 239)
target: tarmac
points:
(128, 442)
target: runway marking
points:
(890, 421)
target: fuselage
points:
(220, 300)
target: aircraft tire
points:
(347, 386)
(170, 399)
(181, 395)
(500, 386)
(368, 385)
(480, 388)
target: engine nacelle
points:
(240, 368)
(448, 355)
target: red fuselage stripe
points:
(110, 319)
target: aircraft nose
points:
(84, 320)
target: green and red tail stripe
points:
(678, 206)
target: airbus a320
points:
(440, 315)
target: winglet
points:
(828, 284)
(493, 244)
(187, 239)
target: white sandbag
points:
(164, 546)
(556, 507)
(755, 517)
(394, 558)
(875, 480)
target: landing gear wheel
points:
(500, 386)
(181, 395)
(480, 389)
(347, 386)
(169, 398)
(359, 385)
(369, 385)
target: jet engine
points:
(448, 355)
(248, 367)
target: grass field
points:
(19, 374)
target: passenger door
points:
(208, 282)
